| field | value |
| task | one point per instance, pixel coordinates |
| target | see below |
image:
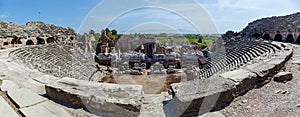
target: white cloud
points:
(261, 5)
(3, 16)
(175, 12)
(236, 14)
(226, 14)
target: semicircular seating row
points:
(236, 54)
(60, 61)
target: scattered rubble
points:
(283, 76)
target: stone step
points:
(8, 85)
(6, 110)
(25, 97)
(45, 109)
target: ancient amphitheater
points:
(59, 79)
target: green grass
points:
(206, 40)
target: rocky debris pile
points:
(33, 29)
(274, 24)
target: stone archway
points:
(5, 43)
(278, 37)
(290, 38)
(256, 36)
(16, 40)
(29, 42)
(266, 36)
(40, 41)
(50, 40)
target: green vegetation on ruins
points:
(200, 40)
(197, 39)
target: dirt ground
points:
(152, 84)
(273, 99)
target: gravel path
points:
(273, 99)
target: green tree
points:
(92, 32)
(107, 30)
(114, 32)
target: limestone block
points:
(152, 105)
(244, 79)
(262, 69)
(278, 62)
(8, 85)
(6, 110)
(199, 96)
(212, 114)
(99, 98)
(24, 97)
(45, 109)
(283, 76)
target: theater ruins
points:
(48, 70)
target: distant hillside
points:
(33, 29)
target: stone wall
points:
(282, 26)
(33, 33)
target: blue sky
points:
(177, 16)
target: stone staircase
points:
(235, 55)
(58, 60)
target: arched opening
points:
(50, 40)
(40, 41)
(290, 38)
(266, 37)
(5, 43)
(278, 37)
(72, 38)
(29, 42)
(255, 36)
(16, 40)
(298, 39)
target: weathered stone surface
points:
(25, 97)
(262, 69)
(199, 96)
(270, 66)
(244, 79)
(2, 76)
(6, 110)
(297, 61)
(33, 29)
(273, 25)
(8, 85)
(46, 79)
(152, 106)
(99, 98)
(278, 62)
(212, 114)
(45, 109)
(283, 76)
